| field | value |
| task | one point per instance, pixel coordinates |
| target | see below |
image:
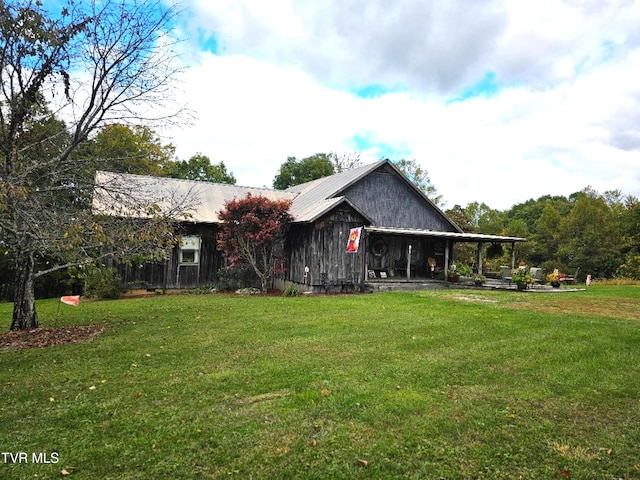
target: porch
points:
(397, 255)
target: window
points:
(190, 250)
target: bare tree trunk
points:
(24, 301)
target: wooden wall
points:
(152, 275)
(321, 247)
(389, 201)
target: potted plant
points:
(521, 277)
(452, 275)
(554, 278)
(479, 280)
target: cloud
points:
(499, 101)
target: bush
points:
(101, 282)
(291, 291)
(463, 270)
(232, 279)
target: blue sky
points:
(500, 101)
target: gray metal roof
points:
(309, 200)
(460, 237)
(204, 199)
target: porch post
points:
(446, 259)
(480, 244)
(409, 264)
(513, 255)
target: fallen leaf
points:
(64, 472)
(138, 394)
(324, 392)
(363, 462)
(314, 442)
(51, 399)
(610, 451)
(92, 387)
(564, 473)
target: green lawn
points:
(445, 384)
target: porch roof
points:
(459, 237)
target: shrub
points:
(291, 291)
(240, 276)
(101, 282)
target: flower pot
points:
(555, 284)
(521, 286)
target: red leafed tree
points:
(252, 232)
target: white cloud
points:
(564, 114)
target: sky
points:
(500, 101)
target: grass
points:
(445, 384)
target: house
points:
(400, 230)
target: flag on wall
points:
(71, 300)
(354, 240)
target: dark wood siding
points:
(389, 201)
(152, 275)
(322, 247)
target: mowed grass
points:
(443, 384)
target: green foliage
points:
(462, 269)
(521, 276)
(295, 172)
(231, 279)
(419, 177)
(291, 291)
(130, 149)
(630, 268)
(200, 168)
(102, 282)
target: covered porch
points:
(410, 255)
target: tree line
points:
(597, 233)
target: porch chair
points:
(506, 274)
(568, 278)
(536, 275)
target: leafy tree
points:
(295, 172)
(101, 63)
(200, 168)
(420, 178)
(252, 232)
(461, 217)
(590, 236)
(130, 149)
(345, 161)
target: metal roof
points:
(309, 200)
(203, 199)
(460, 237)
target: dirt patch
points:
(46, 337)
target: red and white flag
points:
(71, 300)
(354, 240)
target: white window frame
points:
(190, 245)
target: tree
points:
(199, 168)
(131, 149)
(420, 178)
(253, 231)
(590, 236)
(96, 64)
(294, 171)
(345, 161)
